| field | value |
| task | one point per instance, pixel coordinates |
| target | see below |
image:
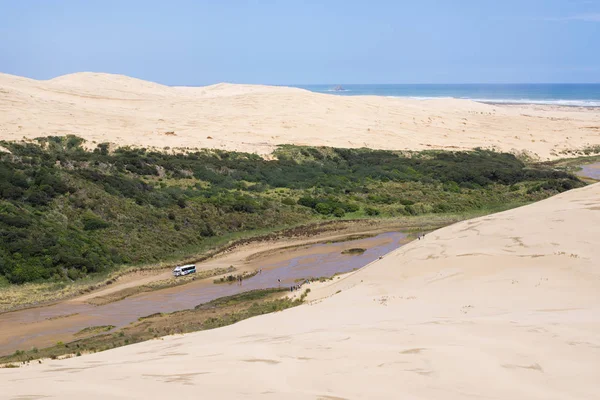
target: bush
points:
(441, 208)
(307, 202)
(371, 211)
(324, 208)
(452, 187)
(92, 222)
(339, 212)
(351, 207)
(56, 197)
(411, 210)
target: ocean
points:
(580, 95)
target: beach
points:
(501, 306)
(254, 118)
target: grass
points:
(235, 278)
(585, 151)
(322, 279)
(92, 330)
(354, 251)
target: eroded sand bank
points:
(504, 306)
(252, 118)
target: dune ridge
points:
(504, 306)
(255, 118)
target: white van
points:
(184, 270)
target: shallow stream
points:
(44, 326)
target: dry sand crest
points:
(254, 118)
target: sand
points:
(504, 306)
(253, 118)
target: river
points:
(44, 326)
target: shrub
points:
(92, 222)
(307, 202)
(351, 207)
(451, 186)
(56, 197)
(339, 212)
(324, 208)
(371, 211)
(441, 208)
(411, 210)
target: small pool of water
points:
(590, 171)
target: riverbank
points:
(235, 251)
(281, 265)
(214, 314)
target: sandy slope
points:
(123, 110)
(505, 306)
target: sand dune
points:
(254, 118)
(503, 307)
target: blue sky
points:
(305, 42)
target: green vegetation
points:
(67, 212)
(256, 308)
(586, 151)
(574, 165)
(322, 279)
(303, 296)
(354, 251)
(90, 330)
(235, 278)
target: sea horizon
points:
(559, 94)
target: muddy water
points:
(44, 326)
(590, 171)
